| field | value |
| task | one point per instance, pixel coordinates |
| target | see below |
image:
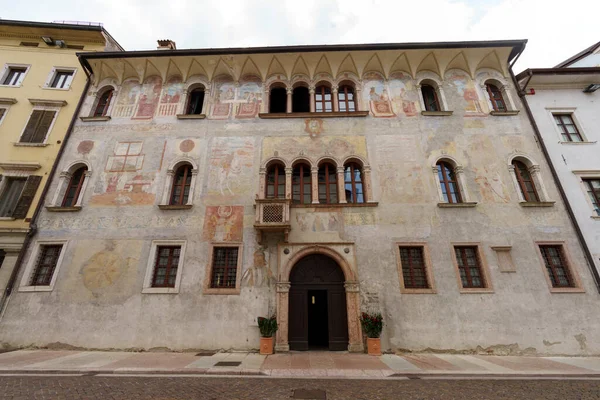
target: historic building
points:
(201, 189)
(564, 102)
(41, 83)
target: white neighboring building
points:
(565, 103)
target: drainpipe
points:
(586, 250)
(33, 226)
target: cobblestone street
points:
(207, 388)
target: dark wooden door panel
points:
(338, 321)
(298, 324)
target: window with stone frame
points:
(17, 195)
(557, 266)
(14, 76)
(74, 188)
(469, 267)
(414, 268)
(62, 79)
(353, 183)
(568, 128)
(103, 103)
(526, 183)
(275, 185)
(300, 99)
(448, 182)
(592, 186)
(180, 189)
(323, 99)
(301, 184)
(165, 267)
(327, 183)
(38, 126)
(195, 101)
(45, 265)
(278, 99)
(3, 111)
(224, 267)
(496, 97)
(430, 98)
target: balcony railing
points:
(272, 215)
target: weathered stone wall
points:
(97, 301)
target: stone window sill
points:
(417, 291)
(504, 113)
(7, 219)
(191, 116)
(157, 290)
(596, 217)
(175, 207)
(594, 142)
(458, 205)
(335, 205)
(10, 86)
(537, 203)
(94, 119)
(313, 115)
(63, 209)
(19, 144)
(35, 289)
(436, 113)
(567, 290)
(221, 291)
(476, 290)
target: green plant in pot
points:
(267, 327)
(372, 325)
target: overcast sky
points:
(555, 30)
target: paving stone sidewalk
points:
(294, 364)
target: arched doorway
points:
(317, 305)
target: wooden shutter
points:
(43, 127)
(32, 124)
(33, 181)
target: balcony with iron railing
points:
(272, 215)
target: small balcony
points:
(272, 215)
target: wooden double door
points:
(317, 300)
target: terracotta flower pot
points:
(266, 345)
(374, 346)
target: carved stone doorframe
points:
(343, 254)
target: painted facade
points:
(567, 93)
(30, 84)
(102, 293)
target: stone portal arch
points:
(343, 255)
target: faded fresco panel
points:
(149, 98)
(376, 94)
(223, 223)
(224, 98)
(250, 97)
(311, 225)
(404, 94)
(171, 96)
(128, 96)
(231, 163)
(259, 274)
(467, 90)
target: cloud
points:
(555, 32)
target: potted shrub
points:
(372, 325)
(268, 327)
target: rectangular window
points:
(46, 264)
(567, 127)
(38, 126)
(14, 76)
(224, 267)
(2, 114)
(10, 195)
(62, 79)
(165, 267)
(414, 271)
(593, 189)
(557, 266)
(469, 267)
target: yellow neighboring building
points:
(41, 83)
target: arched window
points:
(182, 181)
(448, 182)
(496, 97)
(275, 182)
(195, 101)
(353, 183)
(300, 99)
(301, 184)
(526, 183)
(323, 99)
(103, 103)
(346, 101)
(74, 188)
(328, 193)
(430, 98)
(278, 100)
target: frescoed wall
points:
(149, 98)
(404, 94)
(467, 89)
(231, 164)
(223, 223)
(250, 97)
(376, 95)
(171, 96)
(224, 95)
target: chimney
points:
(166, 44)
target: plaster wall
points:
(97, 301)
(573, 161)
